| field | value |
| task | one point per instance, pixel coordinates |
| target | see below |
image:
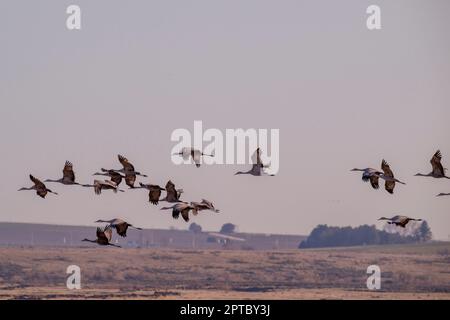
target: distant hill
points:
(29, 234)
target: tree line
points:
(328, 236)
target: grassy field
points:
(408, 272)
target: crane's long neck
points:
(424, 175)
(101, 174)
(87, 240)
(87, 185)
(114, 170)
(140, 174)
(26, 189)
(390, 179)
(54, 180)
(208, 155)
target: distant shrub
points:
(228, 228)
(325, 236)
(195, 228)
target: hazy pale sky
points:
(341, 95)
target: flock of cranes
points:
(129, 174)
(179, 207)
(373, 175)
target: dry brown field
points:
(407, 272)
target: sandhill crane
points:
(443, 194)
(400, 221)
(438, 170)
(130, 179)
(373, 175)
(129, 171)
(180, 207)
(388, 176)
(154, 192)
(172, 194)
(68, 175)
(203, 205)
(104, 237)
(370, 174)
(120, 226)
(114, 176)
(39, 187)
(195, 154)
(127, 166)
(257, 168)
(100, 185)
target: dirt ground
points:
(407, 272)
